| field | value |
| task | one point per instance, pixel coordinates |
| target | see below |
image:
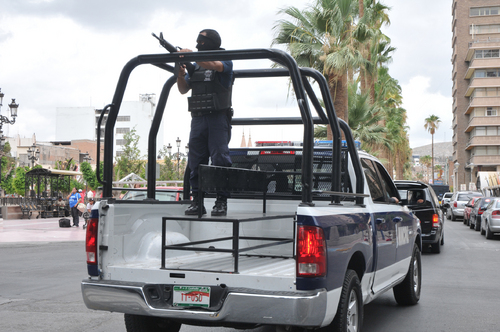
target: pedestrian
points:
(74, 198)
(86, 215)
(210, 106)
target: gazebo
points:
(45, 185)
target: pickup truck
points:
(312, 232)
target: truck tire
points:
(408, 292)
(136, 323)
(349, 315)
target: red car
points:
(468, 209)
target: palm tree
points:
(364, 120)
(432, 124)
(322, 37)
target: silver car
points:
(455, 208)
(490, 219)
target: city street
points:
(41, 266)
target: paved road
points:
(40, 285)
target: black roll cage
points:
(302, 89)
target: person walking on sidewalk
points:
(74, 198)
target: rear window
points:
(448, 195)
(466, 197)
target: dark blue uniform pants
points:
(209, 138)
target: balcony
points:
(482, 102)
(482, 121)
(482, 82)
(485, 160)
(481, 64)
(482, 141)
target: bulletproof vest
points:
(208, 94)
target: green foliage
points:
(88, 175)
(130, 160)
(18, 182)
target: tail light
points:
(495, 214)
(91, 245)
(435, 220)
(311, 252)
(455, 204)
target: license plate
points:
(191, 296)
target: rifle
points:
(172, 49)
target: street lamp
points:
(3, 119)
(178, 154)
(33, 154)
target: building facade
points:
(80, 123)
(476, 90)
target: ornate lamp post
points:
(178, 154)
(33, 154)
(3, 119)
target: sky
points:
(69, 53)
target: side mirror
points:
(446, 205)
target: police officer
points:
(210, 106)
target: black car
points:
(422, 199)
(477, 210)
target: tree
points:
(19, 181)
(89, 175)
(322, 37)
(364, 120)
(129, 161)
(432, 124)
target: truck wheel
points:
(408, 292)
(136, 323)
(488, 232)
(349, 317)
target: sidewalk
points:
(39, 230)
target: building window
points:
(121, 142)
(123, 118)
(490, 111)
(103, 122)
(491, 131)
(487, 73)
(122, 130)
(480, 151)
(482, 29)
(485, 54)
(492, 150)
(484, 11)
(119, 153)
(479, 131)
(488, 92)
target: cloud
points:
(420, 101)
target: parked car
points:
(455, 208)
(468, 209)
(422, 199)
(490, 220)
(162, 194)
(475, 216)
(445, 199)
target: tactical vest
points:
(208, 94)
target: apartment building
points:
(80, 123)
(476, 90)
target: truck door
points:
(386, 216)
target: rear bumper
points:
(299, 308)
(433, 237)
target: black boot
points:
(220, 207)
(192, 210)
